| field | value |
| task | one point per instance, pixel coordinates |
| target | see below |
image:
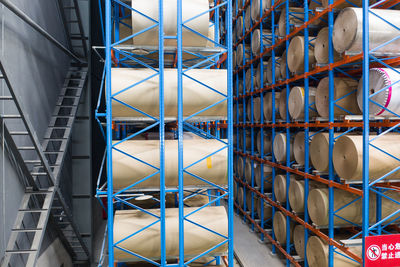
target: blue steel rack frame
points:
(339, 68)
(118, 130)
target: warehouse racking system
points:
(354, 65)
(169, 52)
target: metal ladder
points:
(40, 166)
(73, 27)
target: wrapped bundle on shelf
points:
(295, 54)
(389, 98)
(267, 142)
(247, 18)
(256, 40)
(267, 105)
(145, 95)
(147, 242)
(296, 16)
(277, 70)
(128, 170)
(280, 143)
(299, 147)
(345, 90)
(189, 10)
(267, 176)
(239, 27)
(279, 225)
(348, 155)
(318, 254)
(282, 104)
(347, 31)
(298, 240)
(242, 52)
(296, 102)
(351, 204)
(267, 209)
(258, 83)
(296, 193)
(280, 187)
(283, 65)
(321, 50)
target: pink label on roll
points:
(390, 91)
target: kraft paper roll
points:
(128, 170)
(234, 59)
(321, 49)
(247, 171)
(347, 30)
(298, 240)
(342, 87)
(247, 80)
(277, 70)
(279, 225)
(144, 96)
(348, 151)
(283, 65)
(280, 147)
(256, 40)
(249, 200)
(248, 109)
(282, 104)
(266, 141)
(296, 193)
(248, 140)
(295, 54)
(351, 3)
(389, 98)
(296, 16)
(242, 53)
(267, 176)
(267, 102)
(190, 9)
(247, 18)
(257, 109)
(296, 102)
(319, 151)
(267, 209)
(147, 243)
(240, 167)
(255, 8)
(239, 27)
(280, 187)
(318, 254)
(235, 190)
(299, 147)
(241, 197)
(241, 92)
(258, 82)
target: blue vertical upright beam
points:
(110, 210)
(261, 83)
(161, 129)
(365, 98)
(180, 134)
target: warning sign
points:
(382, 251)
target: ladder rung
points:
(26, 148)
(32, 161)
(38, 173)
(19, 133)
(6, 97)
(11, 116)
(33, 210)
(21, 251)
(27, 230)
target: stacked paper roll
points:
(258, 83)
(242, 52)
(279, 225)
(235, 190)
(248, 171)
(145, 95)
(241, 196)
(277, 70)
(241, 162)
(298, 240)
(347, 31)
(296, 102)
(267, 176)
(344, 89)
(283, 65)
(248, 140)
(280, 187)
(380, 78)
(248, 80)
(299, 147)
(239, 27)
(267, 209)
(318, 254)
(296, 193)
(266, 142)
(257, 38)
(248, 109)
(267, 105)
(234, 59)
(282, 104)
(321, 49)
(295, 54)
(255, 8)
(348, 154)
(257, 109)
(319, 151)
(147, 243)
(247, 18)
(128, 170)
(249, 202)
(296, 16)
(241, 92)
(280, 144)
(190, 9)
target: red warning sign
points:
(382, 251)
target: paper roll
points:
(147, 242)
(348, 151)
(321, 49)
(389, 98)
(247, 80)
(190, 9)
(256, 40)
(277, 70)
(247, 171)
(267, 209)
(296, 193)
(296, 102)
(279, 225)
(267, 176)
(266, 141)
(247, 18)
(240, 167)
(241, 197)
(342, 88)
(257, 109)
(239, 27)
(255, 8)
(282, 104)
(298, 240)
(280, 147)
(127, 170)
(319, 151)
(296, 16)
(234, 59)
(283, 65)
(318, 254)
(258, 83)
(299, 147)
(249, 199)
(248, 140)
(347, 31)
(280, 187)
(267, 102)
(295, 54)
(144, 96)
(242, 53)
